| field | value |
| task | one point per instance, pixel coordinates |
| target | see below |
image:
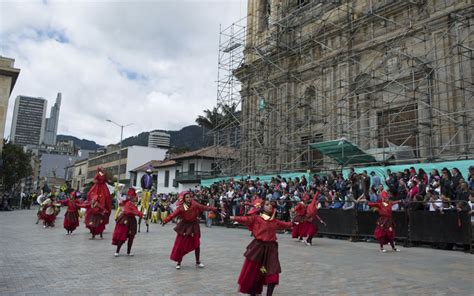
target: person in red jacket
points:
(299, 230)
(71, 217)
(126, 224)
(312, 218)
(385, 229)
(95, 218)
(261, 265)
(188, 231)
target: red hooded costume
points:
(385, 229)
(126, 224)
(71, 217)
(299, 230)
(261, 265)
(101, 192)
(187, 229)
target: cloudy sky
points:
(152, 63)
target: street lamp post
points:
(120, 149)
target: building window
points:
(167, 179)
(397, 126)
(191, 168)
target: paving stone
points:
(38, 261)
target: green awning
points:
(343, 152)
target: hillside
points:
(191, 137)
(83, 144)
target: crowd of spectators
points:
(415, 189)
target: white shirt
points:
(438, 203)
(49, 210)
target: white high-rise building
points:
(158, 139)
(51, 128)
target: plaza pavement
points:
(38, 261)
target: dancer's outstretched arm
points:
(246, 220)
(172, 216)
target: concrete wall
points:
(54, 165)
(8, 76)
(161, 180)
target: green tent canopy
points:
(343, 152)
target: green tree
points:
(230, 114)
(219, 117)
(15, 166)
(211, 119)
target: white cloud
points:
(151, 63)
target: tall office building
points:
(51, 128)
(28, 121)
(158, 139)
(8, 77)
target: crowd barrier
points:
(411, 226)
(435, 227)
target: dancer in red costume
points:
(71, 217)
(188, 231)
(48, 214)
(126, 224)
(312, 218)
(299, 230)
(95, 217)
(385, 229)
(261, 266)
(101, 192)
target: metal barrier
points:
(415, 226)
(339, 222)
(435, 227)
(366, 223)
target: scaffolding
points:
(393, 77)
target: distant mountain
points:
(139, 140)
(191, 137)
(83, 144)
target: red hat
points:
(74, 194)
(305, 197)
(256, 206)
(131, 193)
(181, 197)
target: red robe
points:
(312, 218)
(261, 266)
(71, 217)
(385, 230)
(299, 230)
(95, 217)
(126, 226)
(48, 213)
(100, 191)
(188, 231)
